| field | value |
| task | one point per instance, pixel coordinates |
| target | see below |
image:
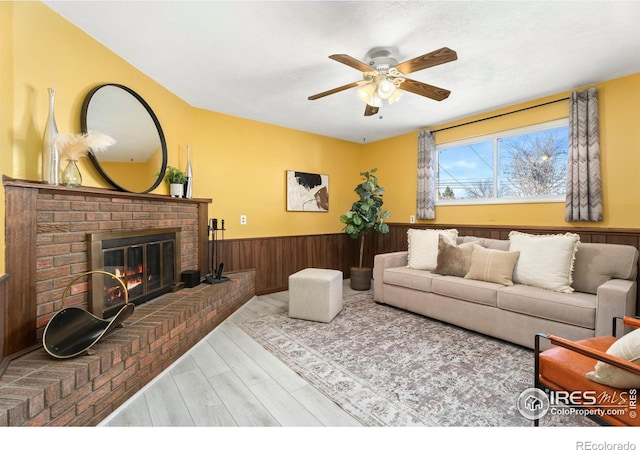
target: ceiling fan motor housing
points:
(381, 60)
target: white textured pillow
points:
(627, 347)
(546, 260)
(423, 247)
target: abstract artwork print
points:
(307, 191)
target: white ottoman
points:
(315, 294)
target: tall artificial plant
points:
(366, 214)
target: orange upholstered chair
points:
(561, 371)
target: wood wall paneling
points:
(203, 239)
(3, 296)
(20, 263)
(396, 239)
(275, 258)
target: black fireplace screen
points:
(147, 262)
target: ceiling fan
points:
(384, 78)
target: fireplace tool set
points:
(215, 275)
(73, 331)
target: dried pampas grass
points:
(76, 146)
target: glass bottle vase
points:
(71, 176)
(189, 185)
(50, 154)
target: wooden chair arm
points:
(595, 354)
(631, 321)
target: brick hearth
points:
(39, 390)
(46, 247)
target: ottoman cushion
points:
(315, 294)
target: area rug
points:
(389, 367)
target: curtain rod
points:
(500, 115)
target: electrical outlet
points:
(412, 219)
(243, 219)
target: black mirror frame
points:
(163, 142)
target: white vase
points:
(50, 154)
(176, 190)
(189, 186)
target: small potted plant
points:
(365, 215)
(176, 179)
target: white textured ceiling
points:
(261, 60)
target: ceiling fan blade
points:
(333, 91)
(371, 110)
(434, 58)
(352, 62)
(424, 89)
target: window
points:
(522, 165)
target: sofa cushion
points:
(628, 348)
(409, 278)
(466, 289)
(576, 308)
(495, 266)
(598, 263)
(423, 247)
(545, 261)
(494, 244)
(454, 259)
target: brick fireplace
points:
(146, 261)
(48, 245)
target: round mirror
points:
(138, 159)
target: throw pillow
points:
(423, 247)
(454, 259)
(545, 261)
(627, 347)
(492, 265)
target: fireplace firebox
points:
(147, 262)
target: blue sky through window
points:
(529, 164)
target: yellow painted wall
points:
(241, 164)
(619, 104)
(6, 107)
(48, 51)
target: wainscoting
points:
(396, 239)
(276, 258)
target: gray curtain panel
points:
(426, 198)
(584, 186)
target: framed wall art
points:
(307, 191)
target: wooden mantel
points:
(37, 212)
(102, 192)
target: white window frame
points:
(494, 138)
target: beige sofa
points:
(604, 284)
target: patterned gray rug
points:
(388, 367)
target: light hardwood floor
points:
(229, 380)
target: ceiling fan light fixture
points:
(386, 88)
(395, 96)
(375, 101)
(366, 92)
